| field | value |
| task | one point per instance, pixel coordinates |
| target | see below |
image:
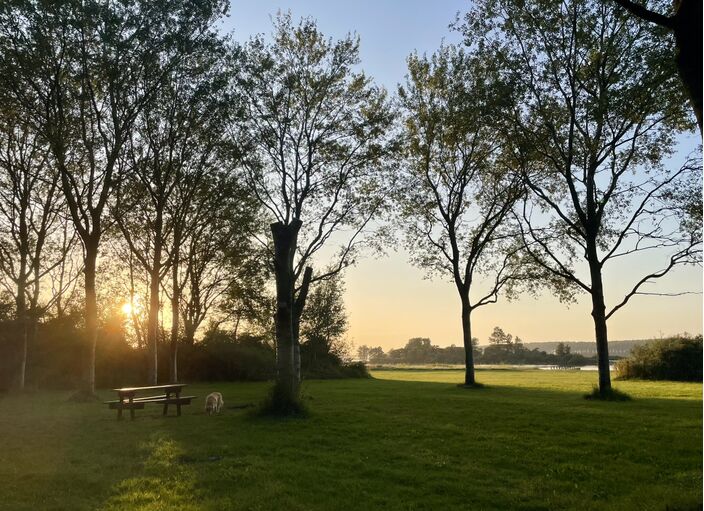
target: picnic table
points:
(127, 398)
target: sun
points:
(127, 309)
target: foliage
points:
(677, 358)
(324, 320)
(455, 191)
(597, 109)
(422, 351)
(324, 348)
(221, 357)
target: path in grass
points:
(405, 440)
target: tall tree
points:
(82, 71)
(173, 146)
(30, 203)
(457, 194)
(591, 135)
(317, 133)
(217, 251)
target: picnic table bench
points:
(127, 398)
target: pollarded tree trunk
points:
(599, 317)
(467, 340)
(285, 237)
(91, 313)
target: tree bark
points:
(686, 25)
(300, 302)
(688, 38)
(91, 316)
(599, 317)
(175, 298)
(21, 315)
(467, 340)
(154, 287)
(285, 239)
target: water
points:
(581, 368)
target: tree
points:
(316, 135)
(377, 355)
(81, 72)
(499, 337)
(363, 353)
(30, 204)
(562, 349)
(324, 322)
(174, 145)
(419, 350)
(593, 125)
(219, 259)
(686, 25)
(457, 193)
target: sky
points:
(388, 300)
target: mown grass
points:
(407, 440)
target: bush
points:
(677, 358)
(220, 357)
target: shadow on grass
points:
(609, 395)
(375, 434)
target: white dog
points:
(213, 403)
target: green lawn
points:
(405, 440)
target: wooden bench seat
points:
(126, 405)
(129, 401)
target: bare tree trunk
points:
(21, 376)
(21, 314)
(175, 298)
(153, 322)
(285, 239)
(189, 334)
(236, 329)
(91, 313)
(299, 303)
(599, 316)
(469, 378)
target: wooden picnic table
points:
(127, 398)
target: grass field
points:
(406, 440)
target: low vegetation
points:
(503, 349)
(678, 358)
(404, 440)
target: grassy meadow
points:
(406, 440)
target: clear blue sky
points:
(389, 29)
(388, 300)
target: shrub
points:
(678, 358)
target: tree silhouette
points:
(456, 193)
(315, 135)
(591, 130)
